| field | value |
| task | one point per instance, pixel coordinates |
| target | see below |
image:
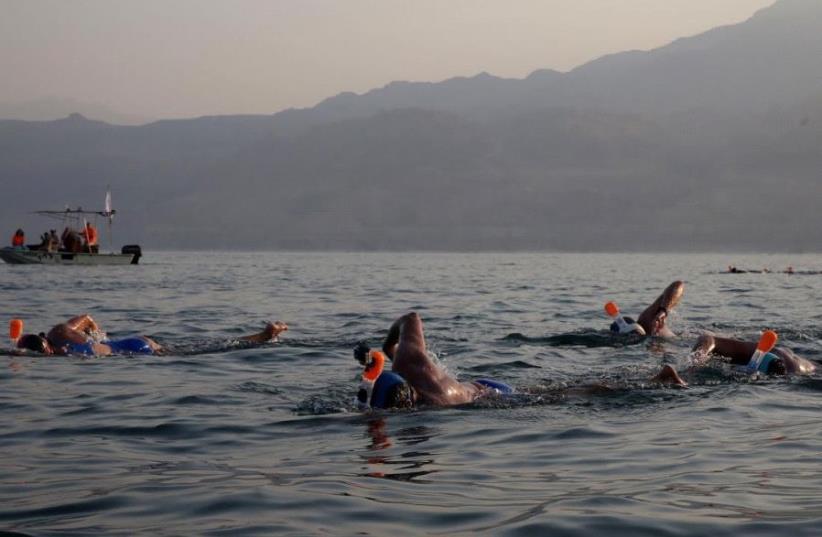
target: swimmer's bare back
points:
(77, 331)
(405, 345)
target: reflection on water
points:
(405, 465)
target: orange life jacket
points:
(91, 235)
(18, 240)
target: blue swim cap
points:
(766, 362)
(385, 387)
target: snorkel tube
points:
(15, 330)
(766, 342)
(622, 326)
(374, 362)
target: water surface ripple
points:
(226, 439)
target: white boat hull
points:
(34, 257)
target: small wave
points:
(516, 364)
(590, 338)
(258, 387)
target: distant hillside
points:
(49, 109)
(712, 142)
(769, 60)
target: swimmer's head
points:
(361, 352)
(401, 396)
(35, 342)
(777, 367)
(772, 364)
(392, 391)
(615, 326)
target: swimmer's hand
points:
(658, 321)
(698, 357)
(98, 336)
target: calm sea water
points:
(219, 439)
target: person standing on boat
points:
(90, 237)
(53, 241)
(71, 241)
(18, 240)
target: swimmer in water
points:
(416, 379)
(783, 361)
(430, 384)
(82, 335)
(654, 319)
(779, 361)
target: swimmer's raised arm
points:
(407, 331)
(654, 317)
(269, 333)
(83, 323)
(389, 346)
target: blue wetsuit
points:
(129, 345)
(86, 348)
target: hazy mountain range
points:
(712, 142)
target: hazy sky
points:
(179, 58)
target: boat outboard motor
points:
(133, 249)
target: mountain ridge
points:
(594, 159)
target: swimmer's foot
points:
(668, 375)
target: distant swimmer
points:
(734, 270)
(82, 335)
(415, 378)
(652, 321)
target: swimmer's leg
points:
(654, 317)
(270, 333)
